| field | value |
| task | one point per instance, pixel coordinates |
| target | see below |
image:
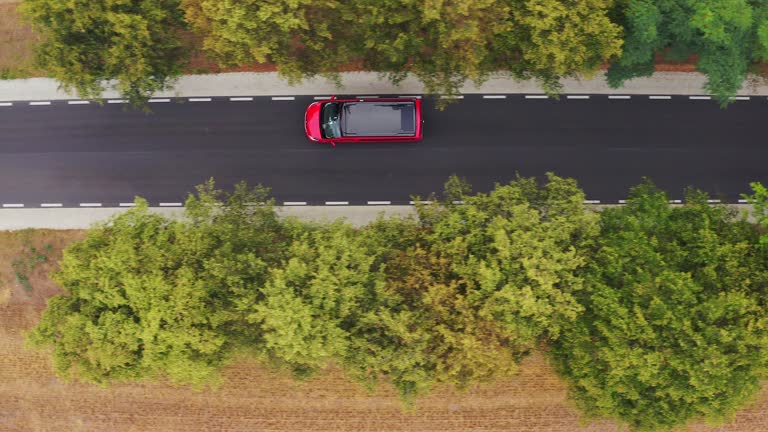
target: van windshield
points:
(329, 120)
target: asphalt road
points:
(74, 154)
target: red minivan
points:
(364, 120)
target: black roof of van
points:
(373, 118)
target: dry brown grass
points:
(16, 41)
(5, 295)
(253, 398)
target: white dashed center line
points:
(51, 205)
(379, 202)
(199, 99)
(333, 203)
(90, 204)
(660, 97)
(78, 102)
(172, 204)
(159, 100)
(283, 98)
(577, 97)
(294, 203)
(536, 97)
(40, 103)
(13, 205)
(494, 97)
(241, 99)
(619, 97)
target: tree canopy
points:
(471, 289)
(554, 39)
(654, 315)
(303, 38)
(727, 35)
(674, 327)
(313, 298)
(422, 329)
(516, 249)
(86, 43)
(149, 297)
(132, 309)
(759, 201)
(443, 43)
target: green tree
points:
(147, 297)
(418, 330)
(727, 35)
(759, 202)
(313, 298)
(673, 328)
(88, 42)
(515, 250)
(131, 309)
(233, 240)
(443, 43)
(303, 37)
(553, 39)
(471, 289)
(424, 331)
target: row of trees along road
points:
(654, 315)
(138, 43)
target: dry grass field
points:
(253, 398)
(16, 42)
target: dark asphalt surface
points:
(72, 154)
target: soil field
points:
(253, 398)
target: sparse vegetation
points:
(9, 74)
(24, 264)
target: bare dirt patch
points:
(254, 398)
